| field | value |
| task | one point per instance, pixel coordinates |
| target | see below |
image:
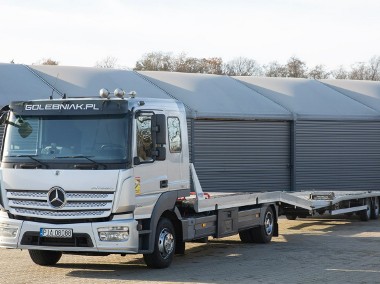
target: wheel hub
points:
(268, 223)
(165, 243)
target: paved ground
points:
(308, 251)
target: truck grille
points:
(79, 205)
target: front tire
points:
(45, 257)
(164, 246)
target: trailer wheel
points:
(164, 246)
(264, 233)
(375, 209)
(321, 211)
(365, 215)
(45, 257)
(291, 217)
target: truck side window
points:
(174, 132)
(144, 137)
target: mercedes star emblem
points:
(56, 197)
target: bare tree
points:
(46, 61)
(359, 71)
(159, 61)
(340, 73)
(296, 68)
(366, 70)
(319, 72)
(374, 68)
(275, 69)
(242, 66)
(180, 63)
(212, 65)
(189, 65)
(108, 62)
(155, 61)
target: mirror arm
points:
(12, 123)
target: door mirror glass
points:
(144, 137)
(25, 129)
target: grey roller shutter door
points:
(338, 155)
(236, 156)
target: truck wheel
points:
(291, 217)
(164, 246)
(264, 233)
(375, 209)
(321, 211)
(45, 257)
(365, 215)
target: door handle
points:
(164, 183)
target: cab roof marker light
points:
(104, 93)
(132, 94)
(119, 93)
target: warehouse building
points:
(290, 134)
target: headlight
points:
(7, 231)
(113, 234)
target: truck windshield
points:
(59, 138)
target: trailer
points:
(111, 175)
(365, 204)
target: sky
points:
(83, 32)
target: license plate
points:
(56, 233)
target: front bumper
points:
(27, 230)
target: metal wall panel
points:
(239, 156)
(341, 155)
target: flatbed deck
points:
(301, 203)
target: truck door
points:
(150, 165)
(178, 167)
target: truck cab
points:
(93, 176)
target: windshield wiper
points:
(88, 158)
(33, 158)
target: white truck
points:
(111, 175)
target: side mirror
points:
(159, 128)
(25, 129)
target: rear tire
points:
(321, 211)
(164, 245)
(261, 234)
(291, 217)
(264, 233)
(45, 257)
(365, 215)
(375, 209)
